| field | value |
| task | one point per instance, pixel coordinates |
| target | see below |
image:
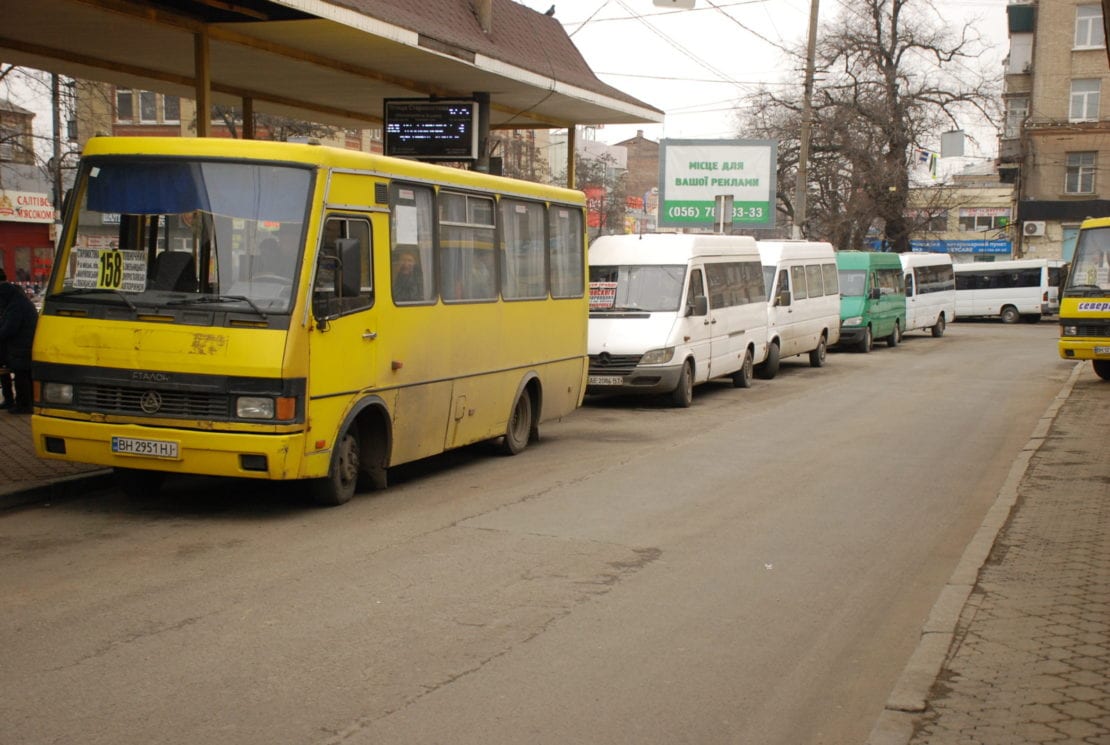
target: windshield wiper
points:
(220, 299)
(95, 291)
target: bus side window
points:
(909, 285)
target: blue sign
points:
(1004, 247)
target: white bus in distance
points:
(803, 308)
(669, 311)
(1009, 290)
(930, 291)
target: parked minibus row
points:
(671, 311)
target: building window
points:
(1017, 109)
(1088, 27)
(148, 107)
(9, 139)
(125, 108)
(1084, 100)
(983, 219)
(171, 109)
(1080, 176)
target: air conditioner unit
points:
(1033, 227)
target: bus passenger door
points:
(343, 353)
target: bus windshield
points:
(1090, 271)
(170, 231)
(648, 288)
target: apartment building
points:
(1055, 144)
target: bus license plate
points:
(144, 448)
(604, 380)
(1102, 350)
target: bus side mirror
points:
(783, 298)
(876, 293)
(350, 266)
(700, 306)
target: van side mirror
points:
(700, 306)
(783, 298)
(876, 293)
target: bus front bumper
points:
(652, 380)
(206, 453)
(1073, 349)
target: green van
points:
(872, 298)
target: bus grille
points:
(613, 364)
(185, 405)
(1093, 328)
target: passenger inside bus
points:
(408, 282)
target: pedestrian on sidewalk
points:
(18, 319)
(6, 389)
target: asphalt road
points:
(754, 569)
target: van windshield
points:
(651, 288)
(853, 282)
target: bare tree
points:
(894, 78)
(269, 126)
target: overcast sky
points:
(694, 64)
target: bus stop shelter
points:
(328, 61)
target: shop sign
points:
(26, 206)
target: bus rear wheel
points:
(938, 327)
(1010, 314)
(1102, 368)
(520, 426)
(339, 485)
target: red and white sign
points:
(26, 206)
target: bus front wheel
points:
(339, 485)
(520, 426)
(1102, 368)
(742, 378)
(866, 342)
(817, 356)
(683, 394)
(938, 327)
(770, 366)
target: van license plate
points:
(1102, 350)
(145, 448)
(604, 380)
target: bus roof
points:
(774, 251)
(867, 260)
(669, 248)
(322, 156)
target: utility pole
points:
(807, 125)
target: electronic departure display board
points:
(427, 129)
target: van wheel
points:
(817, 356)
(770, 366)
(866, 342)
(1102, 368)
(1010, 314)
(742, 378)
(938, 327)
(137, 483)
(895, 335)
(339, 485)
(519, 429)
(683, 394)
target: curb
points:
(910, 694)
(64, 488)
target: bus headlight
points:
(1071, 331)
(853, 321)
(657, 356)
(57, 393)
(254, 407)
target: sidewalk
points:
(1017, 647)
(25, 478)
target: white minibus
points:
(803, 308)
(1010, 290)
(669, 311)
(930, 291)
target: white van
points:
(1016, 290)
(930, 291)
(670, 311)
(803, 311)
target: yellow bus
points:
(291, 311)
(1085, 302)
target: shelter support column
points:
(248, 118)
(482, 163)
(203, 82)
(572, 131)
